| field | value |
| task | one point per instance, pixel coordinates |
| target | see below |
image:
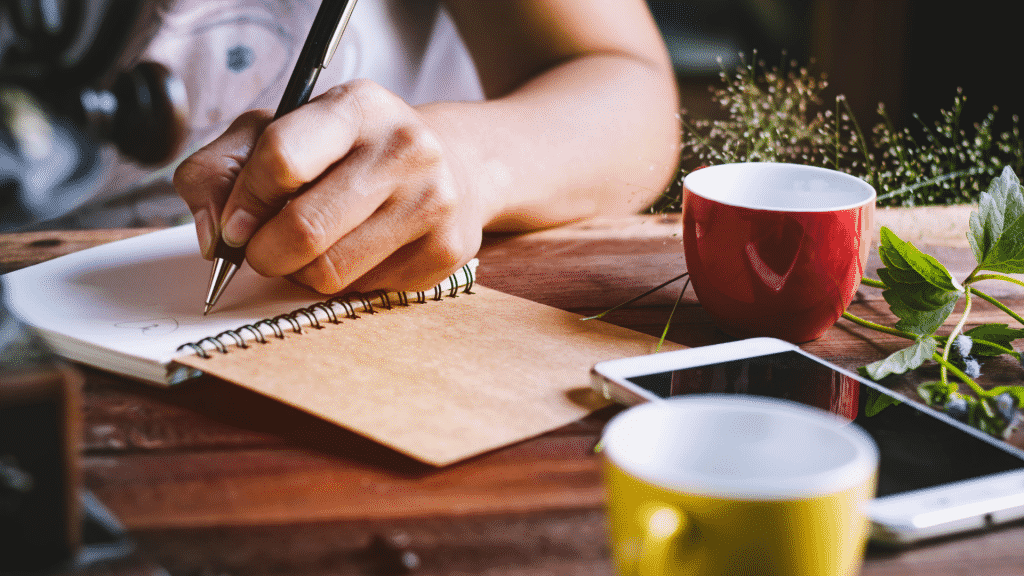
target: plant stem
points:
(863, 143)
(942, 340)
(952, 335)
(878, 327)
(873, 283)
(1002, 277)
(631, 300)
(998, 304)
(837, 134)
(700, 139)
(928, 182)
(664, 332)
(978, 390)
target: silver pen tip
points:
(207, 309)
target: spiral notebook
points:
(439, 375)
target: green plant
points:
(922, 293)
(779, 115)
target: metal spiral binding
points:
(272, 323)
(239, 341)
(327, 310)
(309, 315)
(255, 332)
(367, 307)
(470, 278)
(385, 300)
(278, 324)
(343, 301)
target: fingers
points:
(315, 219)
(418, 265)
(400, 181)
(205, 179)
(352, 187)
(421, 265)
(293, 152)
(414, 238)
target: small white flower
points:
(972, 368)
(964, 344)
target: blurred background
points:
(74, 101)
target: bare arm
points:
(581, 111)
(359, 190)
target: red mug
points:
(776, 249)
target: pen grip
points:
(234, 255)
(313, 54)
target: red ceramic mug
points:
(775, 249)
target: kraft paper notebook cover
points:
(439, 375)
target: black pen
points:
(321, 43)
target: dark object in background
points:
(973, 46)
(705, 37)
(69, 82)
(46, 521)
(40, 514)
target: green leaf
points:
(907, 306)
(928, 268)
(936, 393)
(904, 276)
(921, 292)
(878, 401)
(988, 334)
(997, 227)
(903, 360)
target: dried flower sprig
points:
(773, 116)
(778, 115)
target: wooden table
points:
(211, 479)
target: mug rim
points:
(862, 466)
(703, 174)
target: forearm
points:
(596, 135)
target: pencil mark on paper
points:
(150, 328)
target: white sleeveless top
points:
(236, 55)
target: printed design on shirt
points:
(232, 56)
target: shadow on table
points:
(244, 409)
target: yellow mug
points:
(715, 484)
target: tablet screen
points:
(916, 449)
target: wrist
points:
(481, 175)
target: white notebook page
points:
(142, 297)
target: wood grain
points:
(212, 479)
(18, 250)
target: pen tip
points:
(207, 309)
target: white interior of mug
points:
(740, 447)
(782, 187)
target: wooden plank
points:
(22, 249)
(341, 477)
(213, 481)
(563, 542)
(566, 543)
(208, 414)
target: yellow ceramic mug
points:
(733, 485)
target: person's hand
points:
(353, 190)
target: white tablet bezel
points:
(897, 519)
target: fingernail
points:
(239, 228)
(204, 231)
